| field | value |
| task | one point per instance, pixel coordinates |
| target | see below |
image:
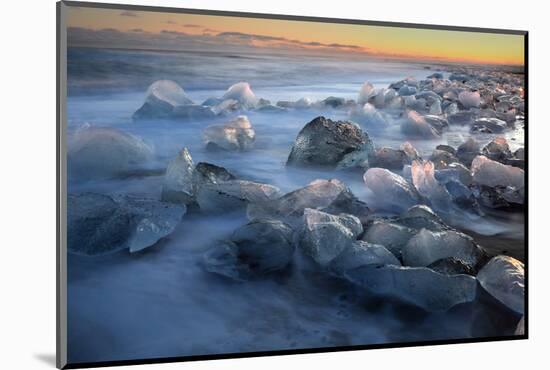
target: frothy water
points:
(160, 302)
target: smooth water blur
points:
(160, 302)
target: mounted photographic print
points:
(235, 184)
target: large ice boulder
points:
(258, 248)
(103, 152)
(491, 173)
(327, 143)
(368, 116)
(242, 93)
(469, 99)
(166, 99)
(361, 253)
(391, 191)
(420, 216)
(426, 247)
(325, 236)
(419, 286)
(234, 194)
(178, 179)
(98, 224)
(161, 98)
(503, 278)
(235, 135)
(331, 196)
(391, 235)
(416, 126)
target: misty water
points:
(160, 302)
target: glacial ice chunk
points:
(391, 191)
(258, 248)
(103, 152)
(361, 253)
(427, 246)
(419, 286)
(178, 179)
(491, 173)
(236, 134)
(415, 125)
(368, 116)
(162, 98)
(503, 278)
(234, 194)
(365, 93)
(423, 177)
(99, 224)
(391, 235)
(325, 236)
(469, 99)
(242, 93)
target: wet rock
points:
(302, 103)
(419, 286)
(467, 151)
(98, 224)
(469, 99)
(488, 125)
(442, 159)
(190, 112)
(497, 150)
(206, 173)
(369, 117)
(323, 142)
(461, 118)
(102, 152)
(391, 191)
(451, 266)
(435, 108)
(391, 235)
(325, 236)
(490, 197)
(446, 148)
(454, 172)
(389, 158)
(462, 196)
(438, 123)
(415, 125)
(234, 194)
(491, 173)
(178, 179)
(256, 249)
(427, 246)
(361, 253)
(235, 135)
(520, 153)
(407, 90)
(503, 278)
(436, 75)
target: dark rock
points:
(452, 266)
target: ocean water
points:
(160, 302)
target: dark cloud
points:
(177, 40)
(170, 22)
(192, 25)
(127, 13)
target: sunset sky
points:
(172, 31)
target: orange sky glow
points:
(383, 41)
